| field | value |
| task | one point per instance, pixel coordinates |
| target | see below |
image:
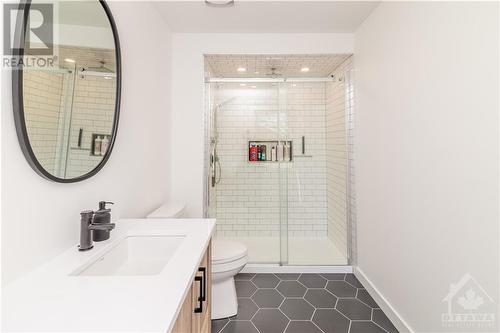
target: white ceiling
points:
(266, 16)
(284, 65)
(84, 13)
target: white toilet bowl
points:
(228, 259)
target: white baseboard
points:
(272, 268)
(388, 309)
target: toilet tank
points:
(169, 210)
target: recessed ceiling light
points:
(107, 77)
(304, 69)
(69, 60)
(242, 69)
(254, 87)
(219, 3)
(294, 84)
(243, 84)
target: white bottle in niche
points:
(286, 152)
(97, 145)
(279, 152)
(104, 145)
(273, 153)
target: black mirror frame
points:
(18, 105)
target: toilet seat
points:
(226, 251)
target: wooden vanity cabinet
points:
(195, 313)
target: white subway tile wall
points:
(248, 196)
(93, 112)
(248, 193)
(338, 105)
(43, 92)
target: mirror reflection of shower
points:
(215, 169)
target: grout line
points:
(364, 303)
(284, 314)
(349, 329)
(380, 326)
(343, 314)
(289, 321)
(317, 326)
(314, 312)
(254, 326)
(224, 326)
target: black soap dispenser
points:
(103, 215)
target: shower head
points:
(274, 73)
(221, 104)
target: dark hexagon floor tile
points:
(353, 280)
(381, 319)
(312, 280)
(218, 324)
(291, 289)
(331, 321)
(244, 276)
(240, 326)
(265, 280)
(287, 276)
(320, 298)
(354, 309)
(267, 298)
(297, 309)
(302, 327)
(341, 289)
(270, 321)
(333, 276)
(245, 288)
(246, 309)
(365, 327)
(365, 297)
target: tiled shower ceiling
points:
(272, 65)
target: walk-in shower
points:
(278, 151)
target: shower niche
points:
(260, 151)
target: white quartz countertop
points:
(50, 299)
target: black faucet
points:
(95, 226)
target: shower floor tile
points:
(319, 310)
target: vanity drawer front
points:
(202, 288)
(194, 316)
(183, 324)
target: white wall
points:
(427, 93)
(41, 218)
(188, 89)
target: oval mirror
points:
(66, 91)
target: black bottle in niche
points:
(103, 215)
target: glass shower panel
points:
(48, 109)
(315, 179)
(245, 120)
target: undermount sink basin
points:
(134, 255)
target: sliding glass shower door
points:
(278, 169)
(243, 178)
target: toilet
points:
(228, 259)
